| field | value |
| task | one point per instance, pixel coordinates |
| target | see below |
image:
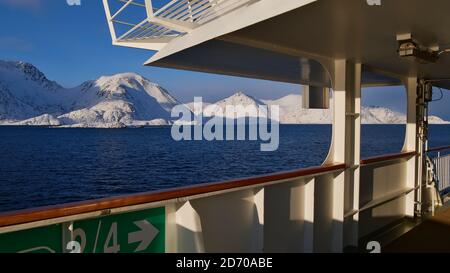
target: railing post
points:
(189, 232)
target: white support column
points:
(338, 152)
(171, 229)
(308, 221)
(411, 144)
(345, 148)
(352, 152)
(411, 126)
(338, 75)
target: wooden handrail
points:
(384, 158)
(51, 212)
(70, 209)
(438, 149)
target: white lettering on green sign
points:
(133, 232)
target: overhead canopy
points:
(285, 47)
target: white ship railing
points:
(293, 211)
(160, 25)
(442, 170)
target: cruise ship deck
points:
(335, 48)
(431, 235)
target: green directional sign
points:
(133, 232)
(39, 240)
(142, 231)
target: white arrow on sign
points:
(145, 236)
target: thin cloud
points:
(29, 5)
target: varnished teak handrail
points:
(385, 158)
(51, 212)
(438, 149)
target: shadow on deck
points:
(428, 235)
(432, 235)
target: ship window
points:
(383, 117)
(47, 166)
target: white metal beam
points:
(235, 20)
(121, 9)
(172, 24)
(109, 20)
(149, 8)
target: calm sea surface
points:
(45, 166)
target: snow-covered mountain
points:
(27, 97)
(381, 115)
(240, 99)
(25, 92)
(292, 112)
(128, 98)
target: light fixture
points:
(411, 48)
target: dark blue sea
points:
(46, 166)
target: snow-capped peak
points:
(292, 112)
(29, 72)
(237, 106)
(379, 115)
(239, 98)
(27, 97)
(127, 98)
(120, 84)
(129, 79)
(133, 79)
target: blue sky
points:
(72, 44)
